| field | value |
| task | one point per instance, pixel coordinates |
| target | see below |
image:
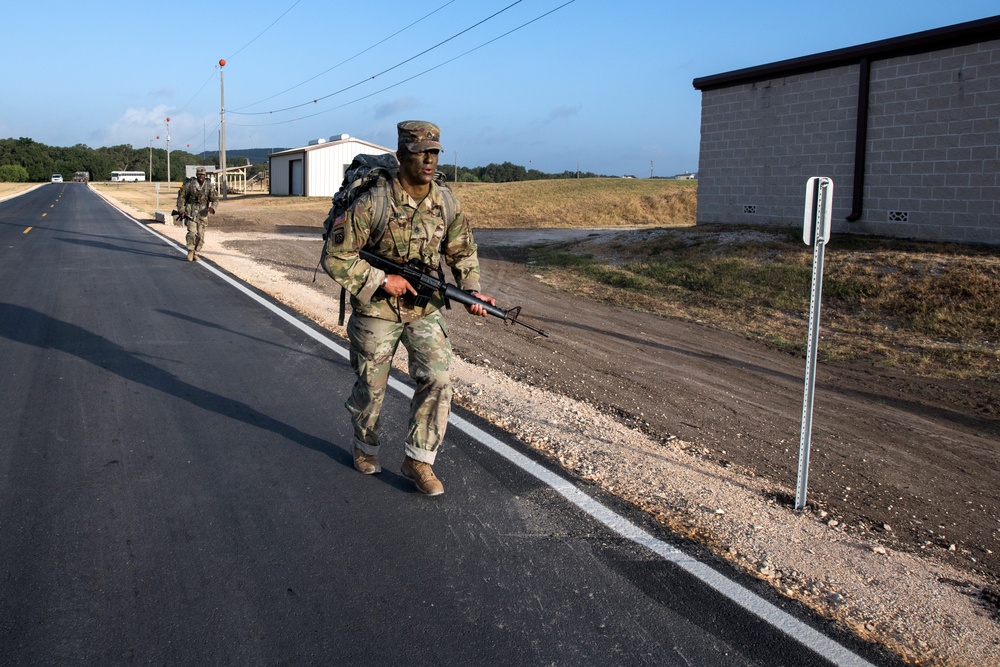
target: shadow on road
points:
(30, 327)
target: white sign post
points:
(815, 232)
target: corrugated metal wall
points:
(323, 166)
(279, 172)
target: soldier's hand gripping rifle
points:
(426, 285)
(181, 216)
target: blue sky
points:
(603, 86)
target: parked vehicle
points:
(127, 176)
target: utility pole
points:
(168, 155)
(150, 160)
(650, 168)
(456, 166)
(222, 134)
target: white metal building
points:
(317, 170)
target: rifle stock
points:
(426, 285)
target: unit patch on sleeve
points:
(338, 229)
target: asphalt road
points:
(176, 488)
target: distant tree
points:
(13, 173)
(28, 154)
(123, 158)
(503, 173)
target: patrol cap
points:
(419, 135)
(200, 171)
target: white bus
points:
(127, 176)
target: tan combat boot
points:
(366, 463)
(423, 476)
(190, 256)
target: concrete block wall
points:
(933, 167)
(761, 142)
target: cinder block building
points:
(317, 170)
(908, 129)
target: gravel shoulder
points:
(699, 429)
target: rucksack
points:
(373, 173)
(366, 172)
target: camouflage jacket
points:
(194, 201)
(414, 231)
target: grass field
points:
(11, 189)
(588, 202)
(931, 309)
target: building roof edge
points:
(919, 42)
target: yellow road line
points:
(26, 230)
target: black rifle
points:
(426, 285)
(178, 214)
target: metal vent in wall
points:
(899, 216)
(749, 208)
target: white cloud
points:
(137, 126)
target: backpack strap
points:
(449, 204)
(380, 222)
(380, 206)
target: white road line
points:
(744, 597)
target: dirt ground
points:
(700, 428)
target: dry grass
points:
(588, 202)
(236, 210)
(11, 189)
(931, 309)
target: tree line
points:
(26, 160)
(507, 172)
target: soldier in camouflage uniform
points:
(384, 313)
(196, 199)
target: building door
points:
(295, 178)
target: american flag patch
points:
(338, 228)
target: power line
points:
(265, 29)
(344, 62)
(408, 79)
(210, 77)
(400, 64)
(215, 69)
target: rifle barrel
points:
(449, 291)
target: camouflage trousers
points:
(196, 232)
(373, 345)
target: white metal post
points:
(168, 155)
(819, 203)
